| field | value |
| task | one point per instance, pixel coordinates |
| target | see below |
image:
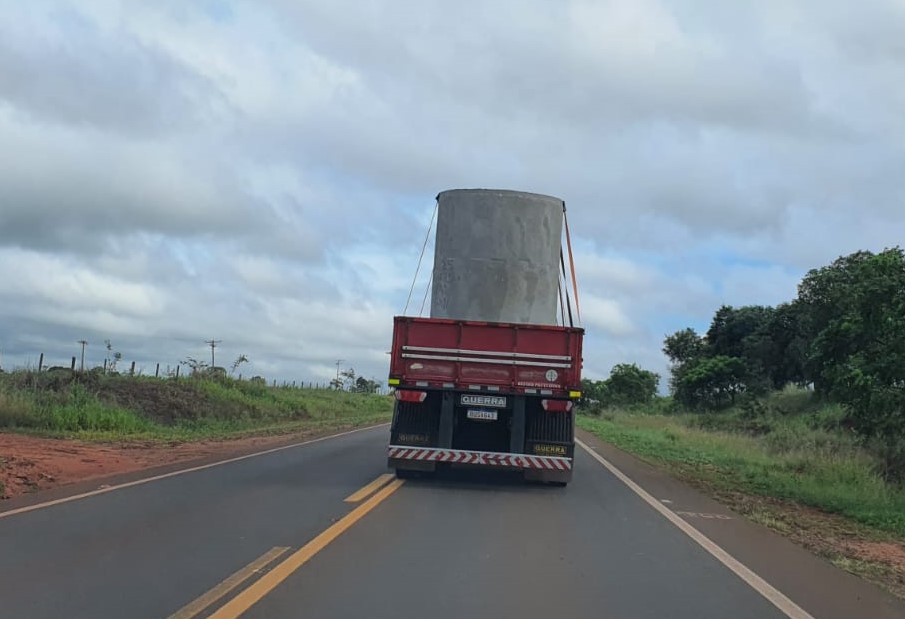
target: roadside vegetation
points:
(793, 415)
(783, 447)
(98, 406)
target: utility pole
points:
(213, 345)
(338, 362)
(83, 343)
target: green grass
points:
(97, 407)
(799, 455)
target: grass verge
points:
(796, 472)
(97, 407)
(834, 481)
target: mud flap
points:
(411, 465)
(560, 478)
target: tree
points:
(628, 384)
(113, 357)
(198, 367)
(744, 333)
(787, 346)
(239, 361)
(859, 353)
(593, 393)
(711, 382)
(347, 379)
(683, 346)
(827, 295)
(364, 385)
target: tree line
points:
(842, 336)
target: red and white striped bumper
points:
(486, 458)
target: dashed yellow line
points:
(199, 605)
(370, 489)
(253, 594)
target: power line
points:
(83, 343)
(213, 345)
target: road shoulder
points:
(151, 461)
(822, 589)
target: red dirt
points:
(880, 552)
(30, 463)
(881, 558)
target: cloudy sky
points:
(263, 172)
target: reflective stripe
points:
(462, 456)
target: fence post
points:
(132, 369)
(72, 367)
(41, 362)
(157, 371)
(177, 370)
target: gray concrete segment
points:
(497, 256)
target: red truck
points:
(484, 394)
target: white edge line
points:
(146, 480)
(768, 591)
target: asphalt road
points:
(462, 545)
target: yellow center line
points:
(211, 597)
(371, 488)
(253, 594)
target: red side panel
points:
(464, 353)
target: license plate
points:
(482, 415)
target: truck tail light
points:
(557, 406)
(414, 397)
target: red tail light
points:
(557, 406)
(414, 397)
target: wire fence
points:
(177, 371)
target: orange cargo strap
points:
(562, 302)
(571, 262)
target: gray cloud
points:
(264, 173)
(63, 67)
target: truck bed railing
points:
(486, 356)
(487, 353)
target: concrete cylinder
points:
(497, 256)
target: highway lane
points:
(147, 550)
(469, 548)
(463, 545)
